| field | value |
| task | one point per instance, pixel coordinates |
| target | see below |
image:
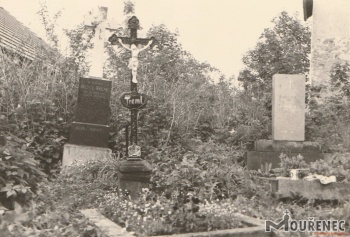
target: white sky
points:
(216, 31)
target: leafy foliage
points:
(291, 162)
(20, 174)
(37, 105)
(156, 214)
(281, 49)
(338, 165)
(47, 216)
(208, 170)
(328, 120)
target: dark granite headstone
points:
(93, 101)
(92, 113)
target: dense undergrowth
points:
(193, 132)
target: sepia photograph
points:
(183, 118)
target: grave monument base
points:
(269, 151)
(80, 153)
(134, 175)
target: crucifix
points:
(135, 45)
(133, 100)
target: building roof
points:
(15, 37)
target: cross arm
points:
(126, 40)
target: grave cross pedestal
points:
(135, 45)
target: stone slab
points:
(257, 231)
(88, 134)
(285, 188)
(80, 153)
(93, 100)
(113, 230)
(288, 107)
(287, 146)
(110, 228)
(254, 159)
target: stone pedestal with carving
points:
(134, 175)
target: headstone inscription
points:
(288, 107)
(92, 113)
(90, 132)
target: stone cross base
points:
(134, 175)
(80, 153)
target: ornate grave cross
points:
(133, 100)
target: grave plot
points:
(285, 188)
(255, 227)
(326, 179)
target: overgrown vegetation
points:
(193, 133)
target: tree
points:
(282, 49)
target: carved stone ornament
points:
(133, 23)
(134, 150)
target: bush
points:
(47, 216)
(209, 170)
(291, 162)
(154, 214)
(36, 104)
(19, 173)
(104, 170)
(328, 119)
(338, 165)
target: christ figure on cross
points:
(134, 61)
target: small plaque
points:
(133, 100)
(88, 134)
(134, 151)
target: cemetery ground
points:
(194, 133)
(192, 191)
